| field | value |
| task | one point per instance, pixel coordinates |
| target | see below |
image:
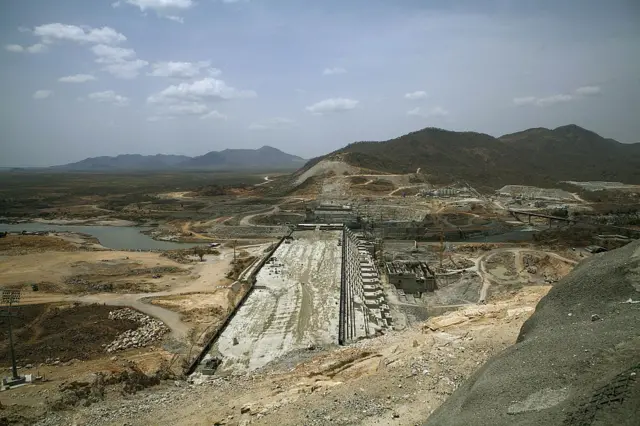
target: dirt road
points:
(203, 277)
(396, 380)
(246, 221)
(480, 266)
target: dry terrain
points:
(102, 363)
(396, 379)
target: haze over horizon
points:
(83, 79)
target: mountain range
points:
(536, 156)
(263, 158)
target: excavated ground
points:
(396, 379)
(60, 331)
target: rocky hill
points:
(125, 162)
(263, 158)
(576, 360)
(536, 156)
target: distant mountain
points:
(536, 156)
(265, 158)
(125, 162)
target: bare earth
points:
(396, 379)
(53, 267)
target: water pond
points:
(114, 237)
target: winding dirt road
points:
(204, 277)
(480, 265)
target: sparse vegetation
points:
(539, 157)
(30, 194)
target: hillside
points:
(536, 156)
(125, 162)
(264, 158)
(576, 359)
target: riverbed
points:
(114, 237)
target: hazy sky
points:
(85, 78)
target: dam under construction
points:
(326, 285)
(317, 288)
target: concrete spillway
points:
(295, 302)
(321, 287)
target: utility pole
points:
(235, 243)
(441, 245)
(9, 297)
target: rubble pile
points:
(149, 331)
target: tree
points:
(200, 252)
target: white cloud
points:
(206, 89)
(526, 100)
(77, 78)
(542, 102)
(157, 5)
(42, 94)
(119, 61)
(182, 69)
(179, 19)
(181, 108)
(332, 105)
(189, 108)
(14, 48)
(430, 113)
(108, 54)
(126, 69)
(418, 95)
(35, 48)
(588, 90)
(272, 123)
(163, 8)
(553, 99)
(61, 32)
(559, 98)
(109, 96)
(334, 71)
(213, 115)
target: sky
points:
(86, 78)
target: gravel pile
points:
(150, 330)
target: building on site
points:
(443, 192)
(331, 214)
(411, 276)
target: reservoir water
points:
(114, 237)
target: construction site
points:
(352, 284)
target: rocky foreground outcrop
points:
(576, 360)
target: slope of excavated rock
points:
(576, 360)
